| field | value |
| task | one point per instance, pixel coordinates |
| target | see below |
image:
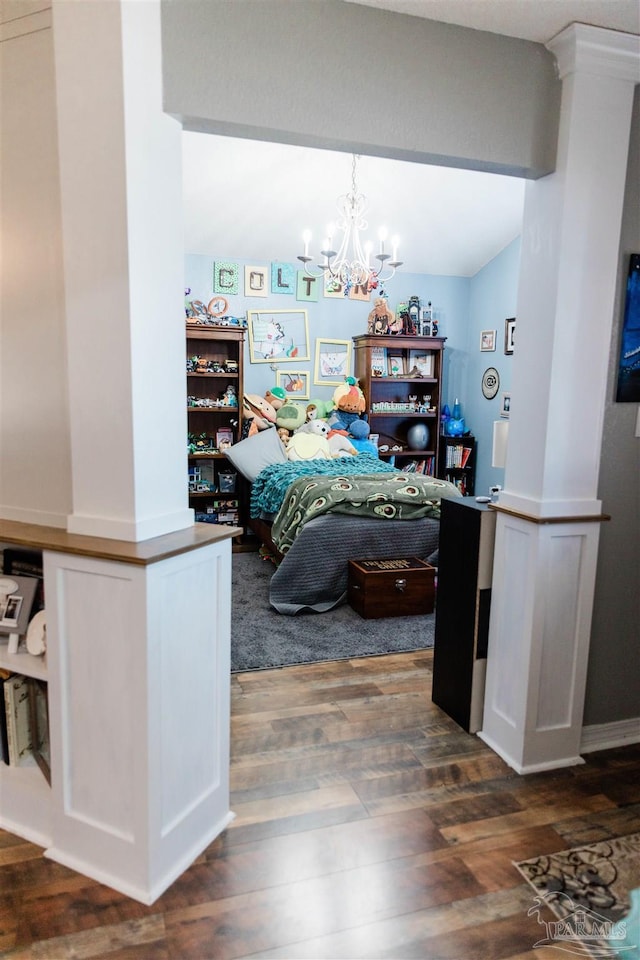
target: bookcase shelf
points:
(399, 402)
(22, 662)
(457, 463)
(220, 347)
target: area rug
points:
(262, 639)
(588, 889)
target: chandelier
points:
(351, 264)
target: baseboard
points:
(605, 736)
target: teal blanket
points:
(398, 496)
(270, 486)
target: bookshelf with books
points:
(215, 356)
(458, 462)
(401, 380)
(24, 749)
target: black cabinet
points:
(465, 569)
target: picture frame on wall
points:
(295, 383)
(628, 386)
(509, 335)
(278, 336)
(487, 341)
(225, 277)
(505, 405)
(332, 361)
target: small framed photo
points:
(10, 611)
(488, 341)
(333, 361)
(224, 438)
(505, 405)
(420, 363)
(296, 384)
(378, 362)
(396, 366)
(509, 335)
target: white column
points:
(138, 660)
(120, 176)
(546, 544)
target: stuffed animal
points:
(291, 415)
(258, 412)
(319, 409)
(276, 396)
(309, 446)
(380, 317)
(348, 417)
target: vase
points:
(418, 436)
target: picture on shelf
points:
(224, 438)
(422, 362)
(10, 611)
(396, 366)
(378, 361)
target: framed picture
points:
(396, 365)
(505, 405)
(224, 438)
(333, 361)
(628, 388)
(295, 384)
(487, 340)
(509, 334)
(422, 362)
(378, 361)
(278, 336)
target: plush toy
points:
(340, 446)
(258, 412)
(291, 415)
(319, 409)
(310, 446)
(276, 396)
(348, 417)
(380, 317)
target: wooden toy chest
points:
(401, 587)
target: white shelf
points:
(22, 662)
(26, 803)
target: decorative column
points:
(549, 516)
(121, 210)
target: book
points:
(466, 453)
(16, 705)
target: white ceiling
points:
(537, 20)
(252, 200)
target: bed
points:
(315, 515)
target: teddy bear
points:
(276, 396)
(348, 417)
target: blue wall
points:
(463, 307)
(492, 300)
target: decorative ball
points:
(418, 436)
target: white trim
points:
(605, 736)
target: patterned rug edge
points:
(587, 888)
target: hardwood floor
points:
(368, 825)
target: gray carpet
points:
(262, 638)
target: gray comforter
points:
(313, 574)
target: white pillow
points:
(252, 455)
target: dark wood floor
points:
(368, 826)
